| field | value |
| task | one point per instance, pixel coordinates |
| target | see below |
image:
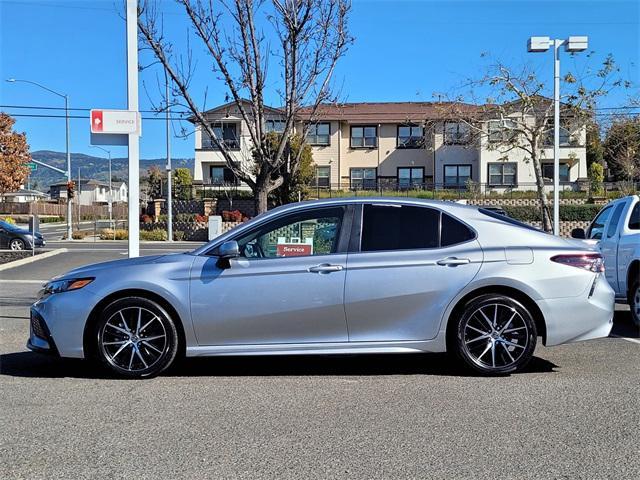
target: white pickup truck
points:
(616, 229)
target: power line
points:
(35, 115)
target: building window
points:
(410, 177)
(323, 177)
(222, 176)
(503, 174)
(364, 137)
(547, 172)
(276, 126)
(227, 133)
(410, 136)
(319, 134)
(566, 139)
(363, 178)
(456, 133)
(456, 175)
(502, 131)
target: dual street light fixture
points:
(543, 44)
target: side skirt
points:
(435, 345)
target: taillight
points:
(589, 261)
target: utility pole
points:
(78, 200)
(169, 171)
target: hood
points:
(94, 268)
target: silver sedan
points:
(334, 277)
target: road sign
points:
(115, 122)
(32, 166)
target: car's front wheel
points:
(17, 244)
(495, 335)
(136, 338)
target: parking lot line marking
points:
(632, 340)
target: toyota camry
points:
(341, 276)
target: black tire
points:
(634, 301)
(17, 244)
(510, 342)
(135, 338)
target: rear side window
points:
(634, 221)
(454, 232)
(391, 227)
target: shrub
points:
(574, 213)
(201, 218)
(78, 234)
(184, 217)
(232, 216)
(10, 220)
(108, 234)
(596, 178)
(156, 235)
(178, 235)
(146, 219)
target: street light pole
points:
(556, 136)
(67, 141)
(110, 202)
(542, 44)
(169, 180)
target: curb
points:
(24, 261)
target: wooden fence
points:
(60, 209)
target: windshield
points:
(8, 226)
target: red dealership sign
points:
(294, 249)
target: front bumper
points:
(40, 339)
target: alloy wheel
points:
(16, 244)
(133, 339)
(495, 336)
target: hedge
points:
(153, 235)
(569, 213)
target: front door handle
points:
(453, 261)
(325, 268)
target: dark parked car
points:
(16, 238)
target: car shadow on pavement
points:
(33, 365)
(623, 326)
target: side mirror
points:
(229, 249)
(578, 233)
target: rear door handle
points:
(325, 268)
(453, 261)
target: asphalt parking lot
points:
(574, 413)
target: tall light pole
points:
(169, 189)
(542, 44)
(66, 114)
(110, 202)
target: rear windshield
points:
(509, 220)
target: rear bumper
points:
(573, 319)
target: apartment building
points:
(398, 145)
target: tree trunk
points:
(261, 195)
(542, 195)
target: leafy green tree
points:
(296, 182)
(596, 178)
(182, 180)
(622, 148)
(154, 180)
(595, 150)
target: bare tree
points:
(515, 112)
(311, 36)
(622, 147)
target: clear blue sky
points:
(403, 51)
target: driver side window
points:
(314, 232)
(597, 227)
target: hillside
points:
(92, 167)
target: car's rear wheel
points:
(17, 244)
(136, 338)
(495, 335)
(634, 302)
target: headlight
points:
(59, 286)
